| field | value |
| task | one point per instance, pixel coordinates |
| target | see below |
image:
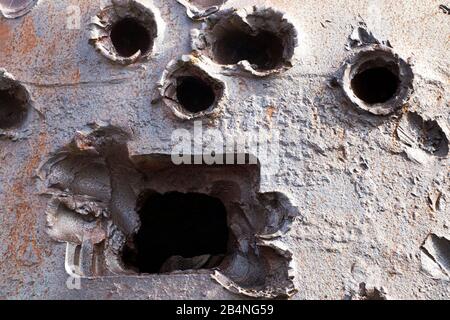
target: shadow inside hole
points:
(129, 36)
(178, 232)
(375, 85)
(194, 94)
(265, 49)
(12, 109)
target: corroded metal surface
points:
(368, 194)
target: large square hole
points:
(157, 219)
(178, 232)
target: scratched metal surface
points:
(364, 205)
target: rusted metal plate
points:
(352, 204)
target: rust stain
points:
(271, 110)
(5, 32)
(5, 39)
(28, 38)
(48, 60)
(23, 234)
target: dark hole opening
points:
(265, 49)
(12, 109)
(179, 232)
(375, 85)
(129, 36)
(194, 94)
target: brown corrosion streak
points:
(21, 41)
(28, 37)
(271, 110)
(5, 39)
(23, 233)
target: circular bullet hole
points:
(377, 80)
(126, 32)
(263, 50)
(194, 94)
(129, 36)
(376, 84)
(190, 89)
(14, 104)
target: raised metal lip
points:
(10, 12)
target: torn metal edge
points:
(196, 13)
(431, 253)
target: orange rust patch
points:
(5, 38)
(23, 234)
(271, 110)
(5, 32)
(28, 39)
